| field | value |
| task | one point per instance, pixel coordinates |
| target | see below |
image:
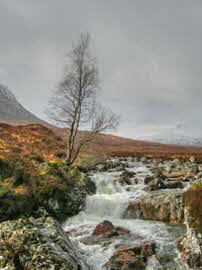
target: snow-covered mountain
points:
(173, 136)
(11, 109)
(179, 140)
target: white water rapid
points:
(109, 203)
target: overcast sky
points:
(149, 55)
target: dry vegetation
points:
(37, 142)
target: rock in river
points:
(159, 205)
(134, 257)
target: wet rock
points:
(173, 185)
(194, 169)
(189, 178)
(176, 162)
(105, 233)
(37, 244)
(65, 204)
(176, 174)
(192, 159)
(199, 175)
(160, 182)
(166, 206)
(107, 229)
(148, 179)
(128, 174)
(158, 173)
(131, 257)
(155, 184)
(125, 178)
(111, 165)
(143, 159)
(103, 228)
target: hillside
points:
(49, 143)
(11, 109)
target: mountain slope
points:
(11, 109)
(37, 141)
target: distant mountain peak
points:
(6, 93)
(11, 109)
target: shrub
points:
(60, 154)
(4, 169)
(4, 192)
(37, 157)
(17, 150)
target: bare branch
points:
(74, 101)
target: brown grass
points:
(49, 143)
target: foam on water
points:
(109, 203)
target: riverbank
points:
(135, 213)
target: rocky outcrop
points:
(166, 206)
(66, 204)
(135, 257)
(58, 188)
(36, 244)
(190, 245)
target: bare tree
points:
(74, 103)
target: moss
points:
(4, 192)
(193, 202)
(25, 186)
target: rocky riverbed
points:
(138, 219)
(144, 214)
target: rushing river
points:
(110, 203)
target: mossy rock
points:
(25, 187)
(36, 244)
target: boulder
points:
(109, 165)
(62, 204)
(199, 175)
(155, 184)
(125, 177)
(37, 244)
(107, 229)
(190, 245)
(173, 185)
(128, 174)
(131, 257)
(192, 159)
(148, 179)
(189, 178)
(162, 205)
(106, 232)
(143, 159)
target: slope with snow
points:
(11, 109)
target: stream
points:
(110, 203)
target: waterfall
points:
(109, 203)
